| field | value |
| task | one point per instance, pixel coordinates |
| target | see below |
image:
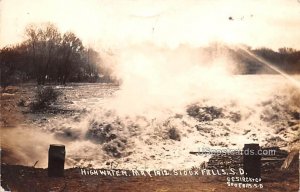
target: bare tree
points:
(44, 41)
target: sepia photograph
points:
(150, 95)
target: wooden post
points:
(56, 160)
(252, 160)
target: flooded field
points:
(103, 126)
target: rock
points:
(292, 123)
(203, 129)
(115, 148)
(174, 134)
(295, 128)
(152, 156)
(102, 132)
(296, 115)
(246, 131)
(68, 134)
(204, 113)
(235, 117)
(179, 116)
(279, 130)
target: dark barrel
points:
(56, 160)
(251, 160)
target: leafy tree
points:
(70, 55)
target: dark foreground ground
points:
(23, 179)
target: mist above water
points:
(160, 78)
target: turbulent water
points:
(97, 133)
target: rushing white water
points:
(262, 112)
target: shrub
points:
(45, 96)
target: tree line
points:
(249, 60)
(49, 56)
(285, 59)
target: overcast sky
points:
(270, 23)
